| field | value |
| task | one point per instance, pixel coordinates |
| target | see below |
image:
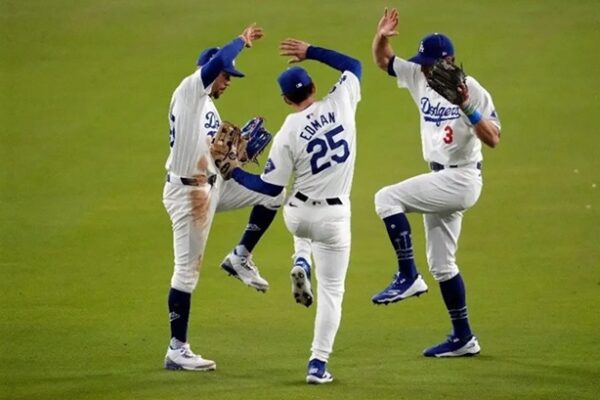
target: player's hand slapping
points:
(293, 48)
(388, 23)
(251, 33)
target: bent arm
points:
(335, 60)
(223, 57)
(255, 183)
(487, 132)
(485, 128)
(382, 51)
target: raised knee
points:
(384, 203)
(273, 203)
(443, 272)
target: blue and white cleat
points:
(301, 287)
(454, 347)
(317, 372)
(184, 359)
(401, 288)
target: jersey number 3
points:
(449, 135)
(319, 149)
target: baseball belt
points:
(333, 201)
(189, 181)
(438, 167)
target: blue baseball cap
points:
(432, 48)
(293, 79)
(209, 53)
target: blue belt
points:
(438, 167)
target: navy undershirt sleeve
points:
(224, 57)
(255, 183)
(390, 67)
(336, 60)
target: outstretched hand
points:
(251, 33)
(294, 48)
(388, 23)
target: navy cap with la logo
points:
(432, 48)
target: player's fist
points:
(251, 33)
(294, 48)
(388, 23)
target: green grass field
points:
(85, 244)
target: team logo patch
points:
(339, 82)
(211, 123)
(438, 113)
(269, 166)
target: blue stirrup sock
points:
(398, 229)
(454, 294)
(179, 313)
(258, 223)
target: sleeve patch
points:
(269, 166)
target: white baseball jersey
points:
(447, 136)
(193, 117)
(318, 144)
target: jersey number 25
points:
(320, 148)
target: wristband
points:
(475, 117)
(472, 113)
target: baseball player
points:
(194, 191)
(451, 137)
(316, 144)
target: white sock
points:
(176, 343)
(241, 250)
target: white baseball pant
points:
(192, 209)
(441, 197)
(324, 230)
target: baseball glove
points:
(448, 80)
(254, 139)
(224, 148)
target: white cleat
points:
(245, 270)
(301, 288)
(184, 359)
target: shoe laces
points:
(317, 368)
(399, 279)
(187, 352)
(395, 281)
(248, 263)
(452, 339)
